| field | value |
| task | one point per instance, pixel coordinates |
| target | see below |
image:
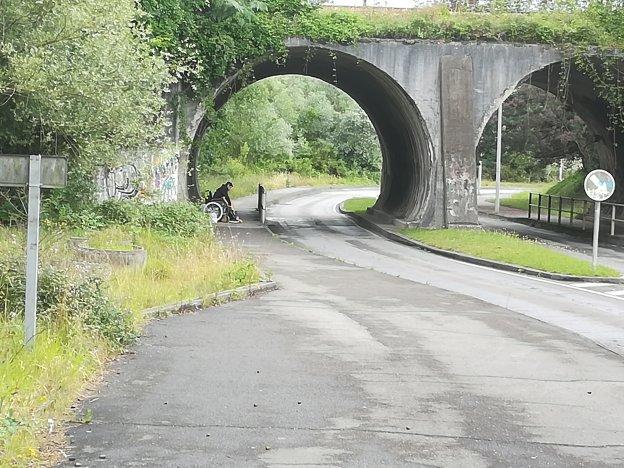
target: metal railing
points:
(573, 211)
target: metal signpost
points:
(599, 186)
(499, 150)
(35, 172)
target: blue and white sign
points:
(599, 185)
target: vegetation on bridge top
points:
(592, 26)
(203, 43)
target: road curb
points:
(377, 229)
(244, 292)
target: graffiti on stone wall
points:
(122, 182)
(152, 176)
(165, 179)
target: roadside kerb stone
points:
(243, 292)
(394, 236)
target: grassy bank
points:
(358, 205)
(90, 312)
(498, 246)
(569, 187)
(247, 184)
(507, 248)
(178, 268)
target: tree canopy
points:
(292, 124)
(78, 78)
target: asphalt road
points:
(370, 354)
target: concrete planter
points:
(134, 258)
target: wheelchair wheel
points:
(214, 210)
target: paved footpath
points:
(345, 366)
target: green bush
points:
(181, 218)
(63, 297)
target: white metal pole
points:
(479, 176)
(32, 249)
(499, 149)
(560, 170)
(596, 233)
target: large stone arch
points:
(408, 159)
(582, 97)
(429, 102)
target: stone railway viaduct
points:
(429, 103)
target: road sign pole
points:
(596, 233)
(32, 249)
(479, 176)
(499, 150)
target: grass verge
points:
(507, 248)
(569, 187)
(498, 246)
(179, 268)
(247, 184)
(37, 387)
(528, 186)
(358, 205)
(82, 322)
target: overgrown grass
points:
(247, 184)
(179, 268)
(569, 187)
(507, 248)
(37, 387)
(72, 346)
(112, 238)
(588, 27)
(358, 205)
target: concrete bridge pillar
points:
(458, 147)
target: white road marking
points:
(596, 285)
(617, 293)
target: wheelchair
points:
(215, 209)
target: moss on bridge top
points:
(205, 44)
(596, 26)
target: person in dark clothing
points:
(222, 193)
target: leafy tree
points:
(293, 124)
(539, 131)
(77, 75)
(77, 78)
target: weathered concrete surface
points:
(398, 84)
(345, 366)
(459, 162)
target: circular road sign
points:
(599, 185)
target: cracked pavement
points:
(348, 366)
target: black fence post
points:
(530, 202)
(549, 206)
(539, 206)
